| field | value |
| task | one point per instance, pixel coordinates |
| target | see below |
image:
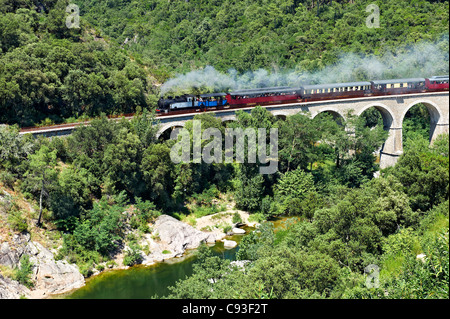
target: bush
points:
(17, 221)
(266, 203)
(7, 178)
(236, 218)
(402, 242)
(86, 269)
(227, 228)
(256, 217)
(133, 255)
(23, 273)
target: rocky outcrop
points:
(49, 276)
(180, 236)
(228, 244)
(11, 289)
(238, 231)
(53, 276)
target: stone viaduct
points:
(393, 109)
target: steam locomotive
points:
(284, 94)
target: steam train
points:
(284, 94)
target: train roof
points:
(262, 89)
(266, 90)
(439, 77)
(392, 81)
(213, 94)
(334, 85)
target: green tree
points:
(42, 173)
(298, 135)
(23, 273)
(158, 173)
(14, 148)
(423, 172)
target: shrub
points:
(227, 228)
(133, 255)
(236, 218)
(100, 267)
(256, 217)
(24, 272)
(17, 221)
(7, 178)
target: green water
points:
(141, 282)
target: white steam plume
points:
(423, 59)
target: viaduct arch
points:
(393, 109)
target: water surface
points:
(143, 282)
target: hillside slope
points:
(181, 35)
(48, 70)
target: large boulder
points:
(8, 257)
(49, 276)
(239, 231)
(11, 289)
(228, 244)
(180, 236)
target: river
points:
(143, 282)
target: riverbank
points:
(170, 239)
(153, 280)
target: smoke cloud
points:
(423, 59)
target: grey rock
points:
(228, 244)
(8, 257)
(58, 277)
(180, 236)
(11, 289)
(49, 276)
(236, 230)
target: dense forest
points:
(343, 219)
(124, 50)
(49, 72)
(247, 35)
